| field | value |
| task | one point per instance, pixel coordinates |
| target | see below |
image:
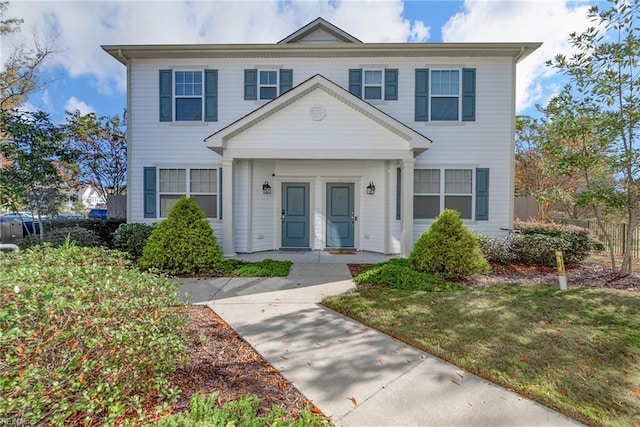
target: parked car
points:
(98, 213)
(71, 216)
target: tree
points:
(102, 151)
(36, 152)
(20, 74)
(604, 96)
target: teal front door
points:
(295, 215)
(340, 215)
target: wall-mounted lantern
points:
(266, 188)
(371, 188)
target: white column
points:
(228, 244)
(407, 207)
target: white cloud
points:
(78, 28)
(549, 22)
(74, 104)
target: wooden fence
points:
(617, 232)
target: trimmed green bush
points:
(204, 412)
(104, 228)
(448, 249)
(79, 236)
(132, 238)
(182, 244)
(397, 274)
(85, 338)
(495, 249)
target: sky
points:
(81, 76)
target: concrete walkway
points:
(353, 373)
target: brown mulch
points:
(220, 361)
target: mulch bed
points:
(220, 361)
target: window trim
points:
(276, 86)
(442, 194)
(365, 85)
(432, 96)
(188, 192)
(175, 96)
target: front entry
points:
(295, 215)
(340, 215)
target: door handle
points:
(283, 216)
(353, 218)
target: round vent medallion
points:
(317, 113)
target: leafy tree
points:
(599, 112)
(20, 74)
(102, 146)
(35, 151)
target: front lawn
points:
(576, 351)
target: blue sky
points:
(82, 76)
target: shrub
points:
(448, 249)
(84, 337)
(103, 228)
(183, 243)
(396, 273)
(131, 238)
(495, 249)
(204, 411)
(79, 236)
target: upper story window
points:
(373, 84)
(188, 95)
(445, 94)
(268, 82)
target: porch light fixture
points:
(266, 188)
(371, 188)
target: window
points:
(188, 95)
(445, 95)
(199, 184)
(268, 84)
(373, 84)
(439, 189)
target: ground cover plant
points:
(576, 351)
(265, 268)
(397, 273)
(85, 338)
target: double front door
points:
(340, 215)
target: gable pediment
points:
(318, 119)
(319, 31)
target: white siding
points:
(486, 143)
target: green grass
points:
(264, 268)
(577, 351)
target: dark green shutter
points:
(391, 84)
(355, 82)
(286, 80)
(211, 95)
(468, 94)
(250, 84)
(149, 195)
(482, 194)
(422, 95)
(220, 193)
(166, 114)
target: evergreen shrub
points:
(182, 244)
(448, 249)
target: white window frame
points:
(442, 194)
(365, 85)
(432, 95)
(176, 96)
(276, 85)
(187, 188)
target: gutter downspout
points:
(512, 185)
(127, 64)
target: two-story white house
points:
(321, 141)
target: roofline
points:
(316, 23)
(516, 50)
